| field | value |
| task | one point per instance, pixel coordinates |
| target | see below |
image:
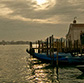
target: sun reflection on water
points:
(40, 72)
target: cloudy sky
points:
(37, 19)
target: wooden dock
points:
(52, 44)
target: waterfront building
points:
(76, 32)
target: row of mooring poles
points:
(74, 47)
(39, 46)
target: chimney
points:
(74, 21)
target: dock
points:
(51, 44)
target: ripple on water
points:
(16, 66)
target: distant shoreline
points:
(13, 42)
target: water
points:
(16, 66)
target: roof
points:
(77, 25)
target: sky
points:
(33, 20)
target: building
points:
(76, 32)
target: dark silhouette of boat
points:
(63, 58)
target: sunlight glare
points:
(39, 2)
(43, 4)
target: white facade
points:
(75, 31)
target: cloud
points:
(44, 4)
(4, 10)
(25, 9)
(20, 30)
(19, 14)
(20, 10)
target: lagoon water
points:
(17, 66)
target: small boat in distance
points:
(80, 67)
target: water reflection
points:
(40, 72)
(16, 66)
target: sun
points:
(40, 2)
(43, 4)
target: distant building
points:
(75, 31)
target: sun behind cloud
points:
(40, 2)
(43, 4)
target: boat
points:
(80, 67)
(62, 57)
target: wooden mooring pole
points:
(30, 47)
(50, 47)
(81, 49)
(38, 46)
(77, 47)
(57, 61)
(47, 46)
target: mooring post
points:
(38, 46)
(47, 46)
(66, 46)
(81, 49)
(50, 47)
(77, 48)
(57, 60)
(61, 45)
(42, 47)
(53, 48)
(30, 47)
